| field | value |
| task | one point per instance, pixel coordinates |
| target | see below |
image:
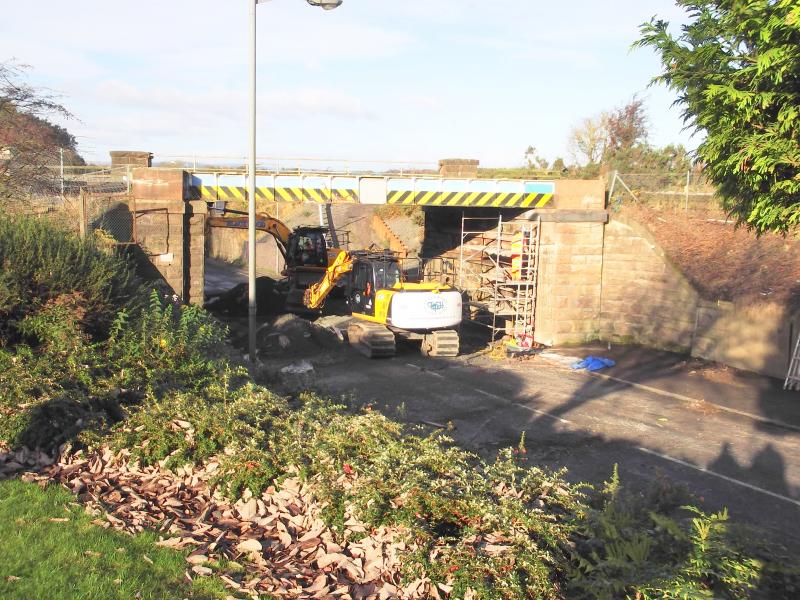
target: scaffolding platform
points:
(498, 270)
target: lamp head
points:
(325, 4)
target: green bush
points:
(40, 262)
(629, 549)
(48, 398)
(166, 346)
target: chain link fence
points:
(82, 199)
(115, 214)
(688, 193)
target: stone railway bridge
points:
(599, 276)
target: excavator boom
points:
(264, 222)
(314, 296)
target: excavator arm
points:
(314, 296)
(264, 222)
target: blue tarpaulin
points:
(593, 363)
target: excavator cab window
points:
(387, 274)
(362, 296)
(308, 249)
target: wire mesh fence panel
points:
(54, 183)
(65, 212)
(688, 193)
(115, 180)
(115, 214)
(83, 199)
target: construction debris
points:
(288, 335)
(298, 368)
(270, 299)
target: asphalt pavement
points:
(721, 439)
(731, 438)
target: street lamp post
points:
(252, 305)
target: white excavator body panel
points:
(423, 310)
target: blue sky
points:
(403, 80)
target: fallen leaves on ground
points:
(286, 549)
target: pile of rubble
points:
(270, 299)
(288, 336)
(285, 548)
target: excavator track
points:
(371, 339)
(440, 343)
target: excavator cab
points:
(307, 247)
(370, 273)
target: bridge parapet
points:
(411, 190)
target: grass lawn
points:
(43, 556)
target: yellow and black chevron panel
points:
(486, 199)
(344, 195)
(212, 193)
(222, 192)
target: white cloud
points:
(421, 101)
(370, 79)
(224, 103)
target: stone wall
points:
(755, 338)
(195, 258)
(458, 167)
(384, 233)
(133, 158)
(645, 298)
(570, 268)
(230, 245)
(170, 231)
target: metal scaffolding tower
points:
(498, 269)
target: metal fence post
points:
(611, 189)
(686, 201)
(61, 155)
(82, 213)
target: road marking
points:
(525, 406)
(424, 370)
(749, 486)
(564, 360)
(683, 398)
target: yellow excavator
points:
(304, 249)
(385, 306)
(383, 303)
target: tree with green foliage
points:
(736, 69)
(533, 160)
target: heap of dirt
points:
(724, 262)
(270, 299)
(292, 336)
